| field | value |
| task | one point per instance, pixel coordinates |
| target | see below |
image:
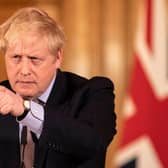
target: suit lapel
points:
(58, 92)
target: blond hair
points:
(32, 19)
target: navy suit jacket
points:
(79, 124)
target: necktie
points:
(27, 149)
(39, 101)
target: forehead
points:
(26, 43)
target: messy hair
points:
(32, 19)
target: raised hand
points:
(10, 102)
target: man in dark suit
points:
(70, 119)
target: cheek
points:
(45, 77)
(11, 72)
(10, 68)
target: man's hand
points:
(10, 102)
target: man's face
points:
(30, 66)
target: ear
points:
(59, 58)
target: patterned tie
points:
(27, 149)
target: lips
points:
(26, 82)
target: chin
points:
(26, 93)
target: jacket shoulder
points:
(95, 81)
(99, 82)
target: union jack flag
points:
(144, 142)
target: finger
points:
(5, 109)
(4, 98)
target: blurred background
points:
(125, 40)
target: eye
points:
(16, 58)
(35, 60)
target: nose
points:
(25, 67)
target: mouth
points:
(25, 82)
